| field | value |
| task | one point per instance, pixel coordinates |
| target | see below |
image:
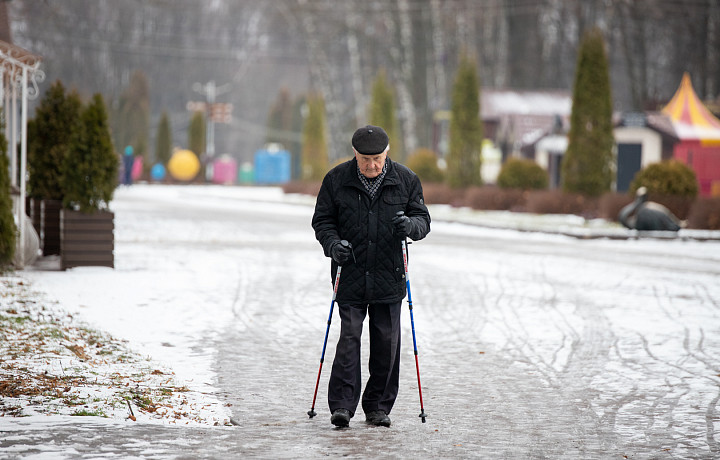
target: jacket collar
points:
(351, 177)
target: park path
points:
(531, 345)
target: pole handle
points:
(347, 244)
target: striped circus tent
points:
(699, 133)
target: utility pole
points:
(214, 112)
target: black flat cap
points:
(370, 140)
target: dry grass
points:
(53, 364)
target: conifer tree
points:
(587, 165)
(163, 141)
(463, 158)
(296, 126)
(7, 224)
(284, 121)
(314, 150)
(90, 168)
(196, 134)
(50, 137)
(280, 118)
(382, 113)
(131, 124)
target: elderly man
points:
(359, 201)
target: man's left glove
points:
(402, 226)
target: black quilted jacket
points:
(344, 211)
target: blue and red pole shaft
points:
(412, 324)
(312, 412)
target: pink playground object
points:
(224, 170)
(137, 168)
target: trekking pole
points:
(404, 244)
(312, 412)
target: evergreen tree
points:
(285, 127)
(7, 224)
(90, 168)
(587, 166)
(295, 146)
(50, 137)
(196, 134)
(464, 153)
(131, 124)
(163, 141)
(314, 151)
(280, 118)
(382, 113)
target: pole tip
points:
(312, 413)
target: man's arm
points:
(324, 220)
(417, 211)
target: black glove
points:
(339, 252)
(402, 226)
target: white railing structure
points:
(19, 74)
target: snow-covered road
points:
(531, 345)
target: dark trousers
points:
(384, 364)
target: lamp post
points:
(210, 91)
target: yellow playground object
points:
(184, 165)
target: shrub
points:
(523, 174)
(705, 214)
(494, 198)
(678, 205)
(611, 203)
(669, 178)
(302, 187)
(443, 194)
(558, 202)
(7, 224)
(424, 163)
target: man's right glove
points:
(340, 252)
(401, 225)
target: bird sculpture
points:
(646, 215)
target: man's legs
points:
(345, 380)
(382, 386)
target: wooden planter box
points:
(87, 239)
(50, 226)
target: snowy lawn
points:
(53, 363)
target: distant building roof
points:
(661, 123)
(526, 116)
(495, 103)
(656, 121)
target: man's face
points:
(371, 165)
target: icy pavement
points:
(530, 345)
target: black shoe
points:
(377, 418)
(340, 418)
